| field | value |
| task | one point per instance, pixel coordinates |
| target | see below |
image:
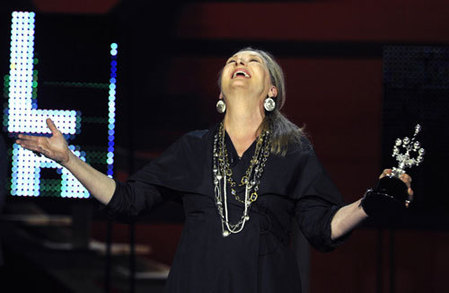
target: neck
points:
(242, 122)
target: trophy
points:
(390, 195)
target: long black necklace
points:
(222, 175)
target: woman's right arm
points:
(55, 148)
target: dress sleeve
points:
(318, 201)
(131, 199)
(176, 171)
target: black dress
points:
(259, 258)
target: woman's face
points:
(246, 71)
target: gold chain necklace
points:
(251, 179)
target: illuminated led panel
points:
(23, 116)
(26, 168)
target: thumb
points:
(52, 126)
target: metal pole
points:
(108, 258)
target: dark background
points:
(335, 54)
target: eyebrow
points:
(252, 55)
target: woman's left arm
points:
(349, 216)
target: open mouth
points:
(241, 73)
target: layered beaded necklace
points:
(222, 175)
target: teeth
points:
(240, 71)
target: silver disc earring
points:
(221, 106)
(269, 104)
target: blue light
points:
(111, 108)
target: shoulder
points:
(202, 135)
(193, 141)
(196, 134)
(302, 147)
(299, 154)
(195, 137)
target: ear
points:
(273, 92)
(221, 97)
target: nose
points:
(240, 60)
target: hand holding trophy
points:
(391, 196)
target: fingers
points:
(29, 138)
(52, 126)
(37, 143)
(33, 144)
(410, 197)
(385, 172)
(406, 179)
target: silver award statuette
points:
(390, 195)
(411, 148)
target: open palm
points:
(54, 147)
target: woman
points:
(241, 182)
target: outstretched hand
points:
(54, 147)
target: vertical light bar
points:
(21, 65)
(111, 107)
